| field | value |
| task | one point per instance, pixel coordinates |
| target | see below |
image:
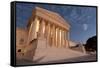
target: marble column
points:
(37, 25)
(48, 36)
(65, 38)
(46, 33)
(46, 30)
(68, 39)
(56, 37)
(60, 39)
(53, 35)
(33, 30)
(42, 29)
(30, 33)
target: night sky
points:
(81, 19)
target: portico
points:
(48, 25)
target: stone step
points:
(53, 54)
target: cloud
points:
(85, 27)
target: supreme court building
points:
(48, 25)
(45, 29)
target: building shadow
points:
(28, 62)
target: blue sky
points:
(81, 19)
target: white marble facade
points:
(54, 31)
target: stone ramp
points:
(55, 54)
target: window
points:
(19, 50)
(21, 41)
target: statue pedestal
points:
(40, 50)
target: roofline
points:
(40, 12)
(55, 13)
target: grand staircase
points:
(46, 53)
(41, 52)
